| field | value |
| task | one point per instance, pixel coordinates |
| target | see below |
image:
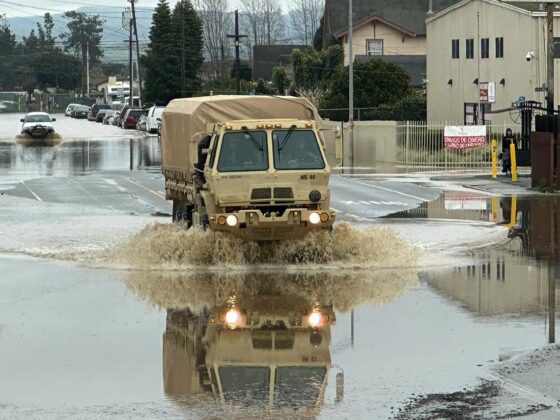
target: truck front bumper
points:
(253, 225)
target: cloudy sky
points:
(13, 8)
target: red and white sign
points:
(487, 92)
(464, 136)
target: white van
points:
(153, 114)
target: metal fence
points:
(420, 144)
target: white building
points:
(478, 44)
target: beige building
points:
(394, 31)
(483, 55)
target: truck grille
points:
(283, 192)
(260, 194)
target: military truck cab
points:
(252, 166)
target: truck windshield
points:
(296, 149)
(298, 386)
(245, 385)
(243, 151)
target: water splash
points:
(172, 246)
(51, 140)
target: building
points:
(391, 30)
(266, 57)
(483, 55)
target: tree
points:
(217, 23)
(161, 61)
(83, 38)
(305, 17)
(189, 44)
(7, 49)
(280, 80)
(264, 21)
(315, 69)
(377, 83)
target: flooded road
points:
(453, 335)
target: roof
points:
(410, 15)
(522, 7)
(266, 57)
(414, 65)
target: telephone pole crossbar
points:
(237, 63)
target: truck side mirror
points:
(22, 120)
(53, 119)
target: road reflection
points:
(258, 341)
(519, 276)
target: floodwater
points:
(289, 341)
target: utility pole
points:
(182, 48)
(350, 84)
(138, 70)
(237, 64)
(550, 59)
(130, 75)
(87, 68)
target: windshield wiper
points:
(288, 134)
(254, 140)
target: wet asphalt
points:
(78, 342)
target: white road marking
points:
(390, 190)
(31, 191)
(157, 193)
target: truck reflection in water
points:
(258, 341)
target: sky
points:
(13, 8)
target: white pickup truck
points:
(37, 124)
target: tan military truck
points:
(254, 166)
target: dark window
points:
(485, 48)
(499, 47)
(454, 48)
(245, 384)
(243, 151)
(470, 48)
(298, 386)
(296, 149)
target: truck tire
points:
(182, 212)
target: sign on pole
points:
(464, 136)
(488, 92)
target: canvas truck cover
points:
(184, 122)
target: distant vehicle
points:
(80, 111)
(123, 112)
(130, 119)
(153, 114)
(101, 114)
(116, 92)
(109, 116)
(69, 109)
(136, 103)
(37, 124)
(116, 119)
(141, 124)
(95, 109)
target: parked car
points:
(69, 109)
(130, 119)
(37, 124)
(141, 124)
(153, 114)
(101, 114)
(117, 118)
(123, 112)
(80, 111)
(95, 109)
(109, 116)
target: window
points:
(374, 47)
(470, 48)
(485, 48)
(499, 47)
(454, 48)
(296, 149)
(243, 151)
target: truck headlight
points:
(231, 220)
(315, 319)
(232, 317)
(314, 218)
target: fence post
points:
(407, 136)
